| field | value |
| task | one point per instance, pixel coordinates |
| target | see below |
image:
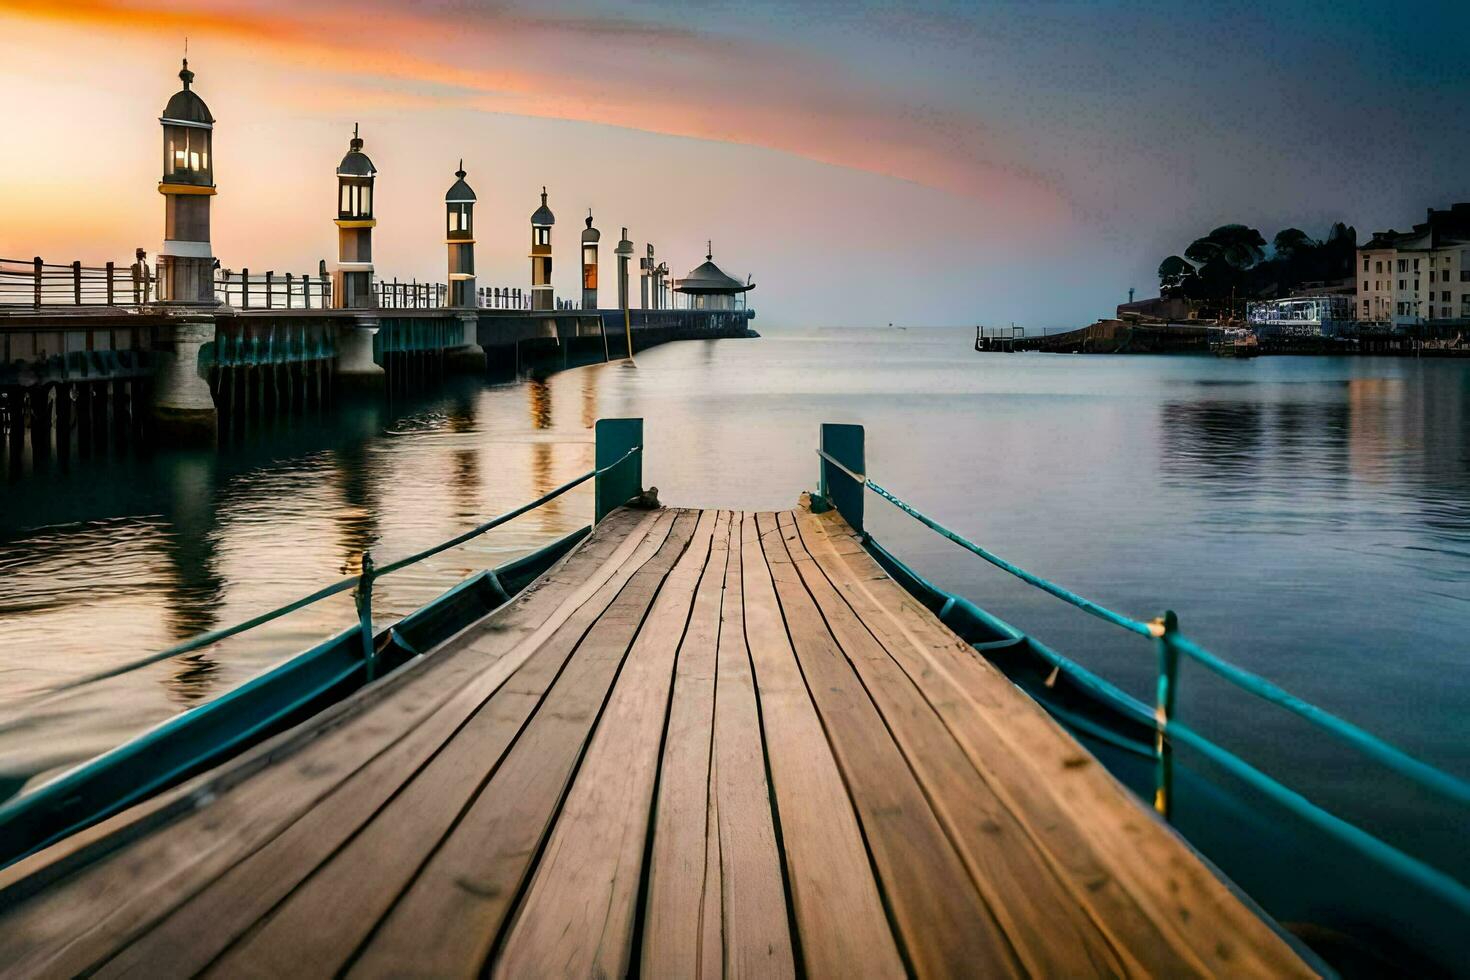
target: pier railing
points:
(843, 480)
(272, 290)
(38, 285)
(503, 298)
(415, 295)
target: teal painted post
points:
(1164, 630)
(843, 443)
(365, 614)
(615, 439)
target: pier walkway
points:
(705, 743)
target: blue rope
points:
(1396, 759)
(341, 585)
(1086, 605)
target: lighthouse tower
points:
(590, 237)
(541, 222)
(186, 262)
(353, 281)
(459, 234)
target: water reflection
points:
(1363, 463)
(1212, 440)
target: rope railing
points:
(1170, 645)
(361, 583)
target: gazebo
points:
(709, 288)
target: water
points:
(1308, 518)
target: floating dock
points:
(704, 743)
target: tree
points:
(1174, 275)
(1291, 243)
(1236, 245)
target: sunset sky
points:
(867, 163)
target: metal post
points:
(38, 267)
(244, 289)
(109, 283)
(615, 437)
(1164, 630)
(289, 281)
(843, 443)
(365, 614)
(76, 282)
(270, 278)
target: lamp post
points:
(356, 177)
(186, 261)
(459, 236)
(541, 221)
(590, 237)
(624, 252)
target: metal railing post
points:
(843, 443)
(364, 598)
(244, 289)
(615, 439)
(38, 266)
(1164, 630)
(270, 283)
(109, 283)
(76, 283)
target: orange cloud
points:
(633, 75)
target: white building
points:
(1419, 276)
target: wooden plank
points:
(1049, 931)
(1016, 781)
(361, 845)
(682, 898)
(757, 941)
(577, 917)
(1170, 911)
(106, 902)
(946, 928)
(834, 897)
(448, 920)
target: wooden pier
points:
(705, 743)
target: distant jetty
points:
(1107, 337)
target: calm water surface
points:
(1309, 518)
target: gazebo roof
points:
(710, 278)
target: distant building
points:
(708, 288)
(1321, 315)
(1167, 308)
(1419, 276)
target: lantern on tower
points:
(459, 234)
(354, 277)
(186, 262)
(541, 221)
(590, 237)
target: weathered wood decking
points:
(706, 743)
